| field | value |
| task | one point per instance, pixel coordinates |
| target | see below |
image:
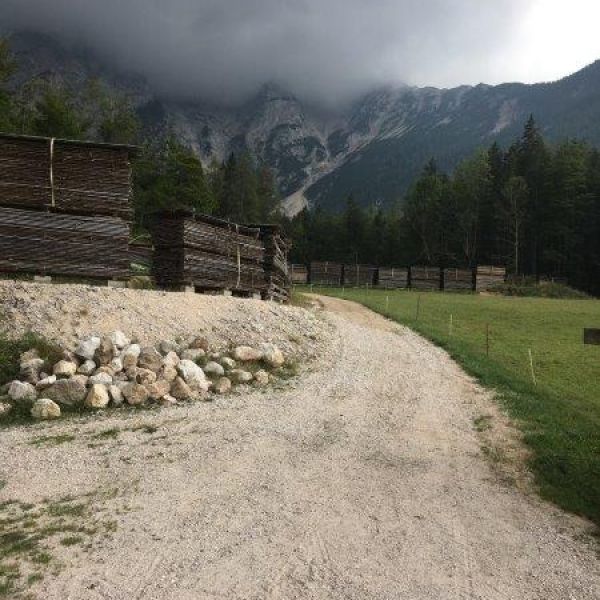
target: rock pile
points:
(114, 371)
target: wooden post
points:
(387, 303)
(532, 369)
(418, 306)
(451, 328)
(487, 339)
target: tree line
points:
(534, 208)
(167, 174)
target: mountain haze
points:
(372, 148)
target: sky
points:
(325, 51)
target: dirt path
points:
(366, 480)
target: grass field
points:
(560, 413)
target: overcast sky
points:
(323, 50)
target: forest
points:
(532, 207)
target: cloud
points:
(326, 51)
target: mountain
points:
(372, 149)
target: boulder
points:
(116, 395)
(193, 354)
(97, 397)
(45, 409)
(151, 359)
(20, 391)
(223, 386)
(130, 356)
(87, 348)
(105, 352)
(241, 376)
(168, 373)
(30, 370)
(29, 355)
(42, 384)
(261, 378)
(5, 408)
(87, 367)
(67, 392)
(134, 393)
(193, 375)
(119, 339)
(167, 348)
(100, 379)
(64, 369)
(228, 363)
(83, 379)
(199, 343)
(145, 376)
(214, 369)
(116, 365)
(246, 354)
(171, 360)
(272, 355)
(168, 400)
(70, 357)
(158, 389)
(180, 390)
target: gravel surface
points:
(364, 479)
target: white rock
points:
(135, 394)
(64, 369)
(116, 364)
(181, 390)
(21, 392)
(168, 400)
(246, 354)
(119, 339)
(223, 386)
(30, 370)
(130, 355)
(193, 375)
(193, 354)
(158, 389)
(272, 355)
(228, 363)
(45, 383)
(87, 367)
(150, 358)
(145, 376)
(167, 347)
(100, 379)
(87, 348)
(168, 373)
(5, 408)
(214, 368)
(97, 397)
(116, 395)
(45, 409)
(241, 376)
(69, 392)
(171, 360)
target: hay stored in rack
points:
(326, 273)
(393, 278)
(360, 275)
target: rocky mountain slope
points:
(372, 149)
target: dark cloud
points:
(322, 50)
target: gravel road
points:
(365, 479)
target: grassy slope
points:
(560, 416)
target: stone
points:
(193, 375)
(42, 384)
(228, 363)
(116, 364)
(135, 394)
(168, 400)
(171, 360)
(64, 369)
(87, 367)
(200, 343)
(158, 389)
(241, 376)
(100, 379)
(181, 390)
(272, 355)
(83, 379)
(29, 355)
(87, 348)
(130, 356)
(70, 357)
(120, 377)
(145, 376)
(119, 339)
(151, 359)
(20, 391)
(193, 354)
(167, 348)
(261, 378)
(29, 371)
(116, 395)
(215, 356)
(247, 354)
(106, 370)
(223, 386)
(67, 392)
(97, 397)
(168, 373)
(105, 352)
(214, 369)
(45, 409)
(5, 409)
